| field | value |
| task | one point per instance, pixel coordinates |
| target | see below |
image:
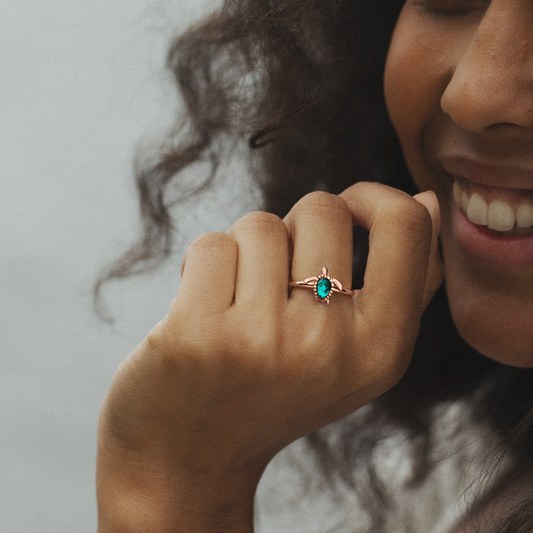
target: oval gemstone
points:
(323, 288)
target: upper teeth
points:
(497, 215)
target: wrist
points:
(138, 494)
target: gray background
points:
(82, 83)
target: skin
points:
(234, 373)
(459, 80)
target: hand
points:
(239, 368)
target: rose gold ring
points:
(323, 286)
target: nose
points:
(492, 82)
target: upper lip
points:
(489, 174)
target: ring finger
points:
(320, 232)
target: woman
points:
(241, 366)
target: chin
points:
(499, 330)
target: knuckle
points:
(257, 334)
(156, 338)
(325, 205)
(189, 337)
(260, 222)
(208, 248)
(211, 240)
(411, 215)
(408, 220)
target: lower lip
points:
(480, 243)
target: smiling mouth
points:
(508, 212)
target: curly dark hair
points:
(301, 81)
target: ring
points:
(323, 286)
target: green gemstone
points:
(323, 288)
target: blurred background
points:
(82, 84)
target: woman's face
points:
(459, 89)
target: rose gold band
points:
(323, 286)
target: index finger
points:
(399, 245)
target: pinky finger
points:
(208, 273)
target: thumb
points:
(435, 274)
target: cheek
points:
(492, 309)
(401, 89)
(416, 75)
(407, 107)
